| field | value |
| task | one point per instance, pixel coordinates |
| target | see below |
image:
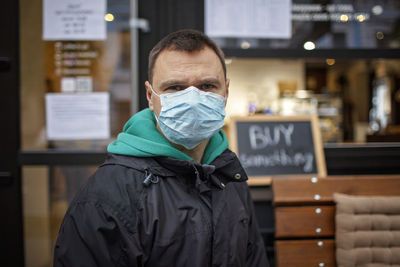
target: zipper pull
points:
(147, 180)
(150, 178)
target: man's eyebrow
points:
(168, 83)
(209, 80)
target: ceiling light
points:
(309, 45)
(109, 17)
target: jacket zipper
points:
(210, 219)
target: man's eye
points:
(207, 86)
(175, 87)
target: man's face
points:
(177, 70)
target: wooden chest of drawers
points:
(305, 214)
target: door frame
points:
(11, 224)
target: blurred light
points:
(228, 61)
(245, 45)
(330, 61)
(377, 10)
(380, 35)
(302, 94)
(397, 96)
(109, 17)
(344, 18)
(360, 18)
(309, 45)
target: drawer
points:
(289, 190)
(309, 253)
(310, 221)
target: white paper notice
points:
(74, 19)
(77, 116)
(248, 18)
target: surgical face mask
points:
(190, 116)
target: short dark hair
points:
(184, 40)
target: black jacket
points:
(162, 212)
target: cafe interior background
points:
(338, 60)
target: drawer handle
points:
(317, 197)
(320, 244)
(314, 180)
(318, 210)
(318, 230)
(321, 264)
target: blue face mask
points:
(191, 116)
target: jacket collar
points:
(226, 167)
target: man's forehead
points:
(190, 55)
(204, 62)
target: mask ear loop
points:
(155, 117)
(154, 92)
(151, 88)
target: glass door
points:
(76, 94)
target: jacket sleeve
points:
(92, 234)
(256, 254)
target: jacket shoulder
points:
(100, 225)
(119, 187)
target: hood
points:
(141, 138)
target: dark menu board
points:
(269, 146)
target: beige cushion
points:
(367, 230)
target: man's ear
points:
(148, 95)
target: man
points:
(171, 193)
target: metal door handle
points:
(5, 64)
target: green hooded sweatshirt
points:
(141, 138)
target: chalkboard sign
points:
(278, 145)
